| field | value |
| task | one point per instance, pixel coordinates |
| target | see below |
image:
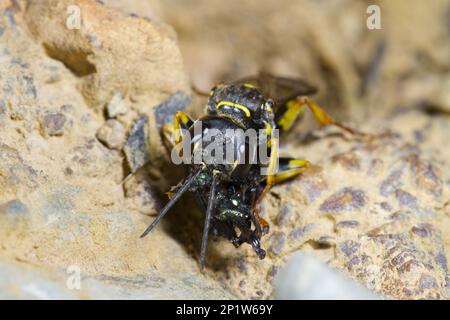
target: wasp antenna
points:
(172, 201)
(211, 200)
(199, 92)
(129, 176)
(121, 183)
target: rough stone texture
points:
(60, 200)
(377, 211)
(112, 134)
(389, 234)
(117, 106)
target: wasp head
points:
(244, 104)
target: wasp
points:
(230, 193)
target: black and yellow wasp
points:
(230, 193)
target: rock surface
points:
(379, 211)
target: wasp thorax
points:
(236, 102)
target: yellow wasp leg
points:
(272, 162)
(289, 168)
(293, 111)
(181, 121)
(168, 134)
(295, 107)
(271, 171)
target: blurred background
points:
(359, 72)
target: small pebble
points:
(279, 239)
(112, 134)
(164, 112)
(136, 148)
(117, 106)
(15, 207)
(54, 124)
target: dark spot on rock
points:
(278, 241)
(400, 215)
(426, 175)
(407, 292)
(136, 148)
(241, 264)
(284, 216)
(349, 247)
(273, 271)
(313, 183)
(20, 63)
(385, 206)
(68, 171)
(2, 108)
(423, 230)
(259, 293)
(375, 167)
(9, 14)
(14, 207)
(353, 262)
(365, 259)
(67, 108)
(391, 184)
(30, 89)
(300, 232)
(441, 260)
(346, 200)
(404, 258)
(418, 136)
(326, 241)
(347, 224)
(406, 199)
(349, 161)
(53, 124)
(165, 111)
(427, 282)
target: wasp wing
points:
(279, 89)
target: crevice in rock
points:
(75, 60)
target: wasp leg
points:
(261, 225)
(295, 107)
(289, 168)
(181, 121)
(253, 239)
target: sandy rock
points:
(110, 52)
(112, 134)
(117, 106)
(54, 124)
